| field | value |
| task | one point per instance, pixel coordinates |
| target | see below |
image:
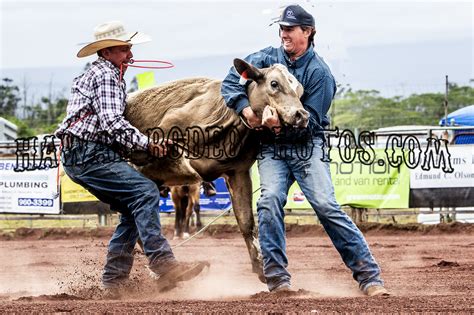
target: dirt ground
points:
(427, 269)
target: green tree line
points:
(368, 110)
(41, 117)
(362, 109)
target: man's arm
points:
(235, 93)
(319, 96)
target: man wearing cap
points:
(297, 30)
(94, 126)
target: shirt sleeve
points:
(234, 93)
(319, 95)
(109, 105)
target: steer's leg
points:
(179, 211)
(197, 210)
(240, 188)
(189, 213)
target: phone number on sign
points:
(35, 202)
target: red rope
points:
(166, 65)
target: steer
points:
(186, 201)
(211, 140)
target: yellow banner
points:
(72, 192)
(145, 80)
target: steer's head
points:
(277, 87)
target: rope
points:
(166, 65)
(207, 225)
(58, 175)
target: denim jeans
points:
(314, 179)
(112, 180)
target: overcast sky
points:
(388, 45)
(46, 33)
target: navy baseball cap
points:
(295, 15)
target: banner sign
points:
(145, 80)
(30, 192)
(371, 185)
(462, 161)
(72, 192)
(221, 201)
(377, 185)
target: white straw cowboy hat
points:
(112, 34)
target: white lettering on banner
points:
(32, 192)
(462, 161)
(374, 197)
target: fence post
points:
(102, 220)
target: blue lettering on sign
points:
(35, 202)
(6, 166)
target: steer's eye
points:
(274, 84)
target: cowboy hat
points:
(111, 34)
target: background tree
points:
(368, 110)
(9, 98)
(362, 109)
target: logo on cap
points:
(290, 15)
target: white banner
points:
(32, 192)
(462, 161)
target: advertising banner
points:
(377, 185)
(29, 192)
(221, 201)
(462, 162)
(72, 192)
(145, 80)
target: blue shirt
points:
(309, 69)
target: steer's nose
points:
(301, 118)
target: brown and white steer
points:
(211, 140)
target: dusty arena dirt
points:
(427, 269)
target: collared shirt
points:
(309, 69)
(95, 110)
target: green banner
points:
(377, 185)
(145, 80)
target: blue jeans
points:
(112, 180)
(314, 179)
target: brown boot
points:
(377, 290)
(179, 271)
(113, 293)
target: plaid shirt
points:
(96, 106)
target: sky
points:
(362, 41)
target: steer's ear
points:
(247, 71)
